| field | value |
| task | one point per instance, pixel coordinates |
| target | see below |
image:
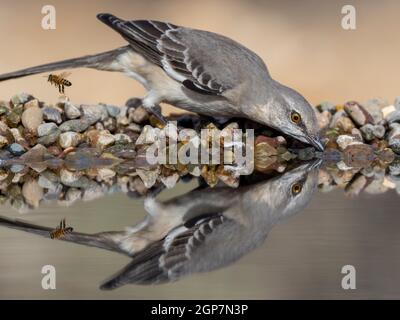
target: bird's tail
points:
(101, 61)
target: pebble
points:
(71, 111)
(324, 119)
(113, 111)
(122, 138)
(15, 168)
(73, 194)
(47, 128)
(20, 98)
(69, 139)
(170, 181)
(133, 103)
(94, 113)
(48, 180)
(149, 177)
(52, 114)
(327, 106)
(394, 167)
(358, 113)
(32, 192)
(73, 179)
(31, 118)
(16, 149)
(393, 117)
(138, 115)
(105, 174)
(92, 192)
(342, 122)
(394, 137)
(374, 107)
(344, 141)
(75, 125)
(148, 135)
(3, 141)
(370, 132)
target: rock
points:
(31, 118)
(138, 115)
(94, 113)
(134, 127)
(324, 119)
(36, 154)
(344, 141)
(76, 125)
(397, 103)
(170, 181)
(13, 118)
(16, 149)
(394, 137)
(122, 138)
(376, 187)
(148, 135)
(52, 114)
(100, 139)
(69, 139)
(50, 138)
(355, 187)
(341, 121)
(394, 167)
(124, 151)
(358, 113)
(137, 185)
(34, 103)
(386, 111)
(47, 128)
(306, 153)
(48, 180)
(133, 103)
(393, 117)
(104, 174)
(73, 179)
(15, 168)
(4, 108)
(92, 192)
(370, 132)
(357, 134)
(3, 141)
(149, 177)
(73, 194)
(374, 107)
(113, 111)
(20, 98)
(71, 111)
(32, 192)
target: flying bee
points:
(60, 80)
(60, 231)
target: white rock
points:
(69, 139)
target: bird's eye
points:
(296, 118)
(296, 188)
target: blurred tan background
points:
(302, 42)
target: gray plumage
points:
(200, 231)
(198, 71)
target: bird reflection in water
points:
(200, 231)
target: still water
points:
(271, 239)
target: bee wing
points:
(64, 74)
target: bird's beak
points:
(316, 143)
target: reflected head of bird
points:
(294, 116)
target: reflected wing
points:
(165, 260)
(186, 55)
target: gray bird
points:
(198, 71)
(199, 231)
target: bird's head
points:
(294, 116)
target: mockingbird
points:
(198, 71)
(199, 231)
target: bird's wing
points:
(193, 57)
(165, 260)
